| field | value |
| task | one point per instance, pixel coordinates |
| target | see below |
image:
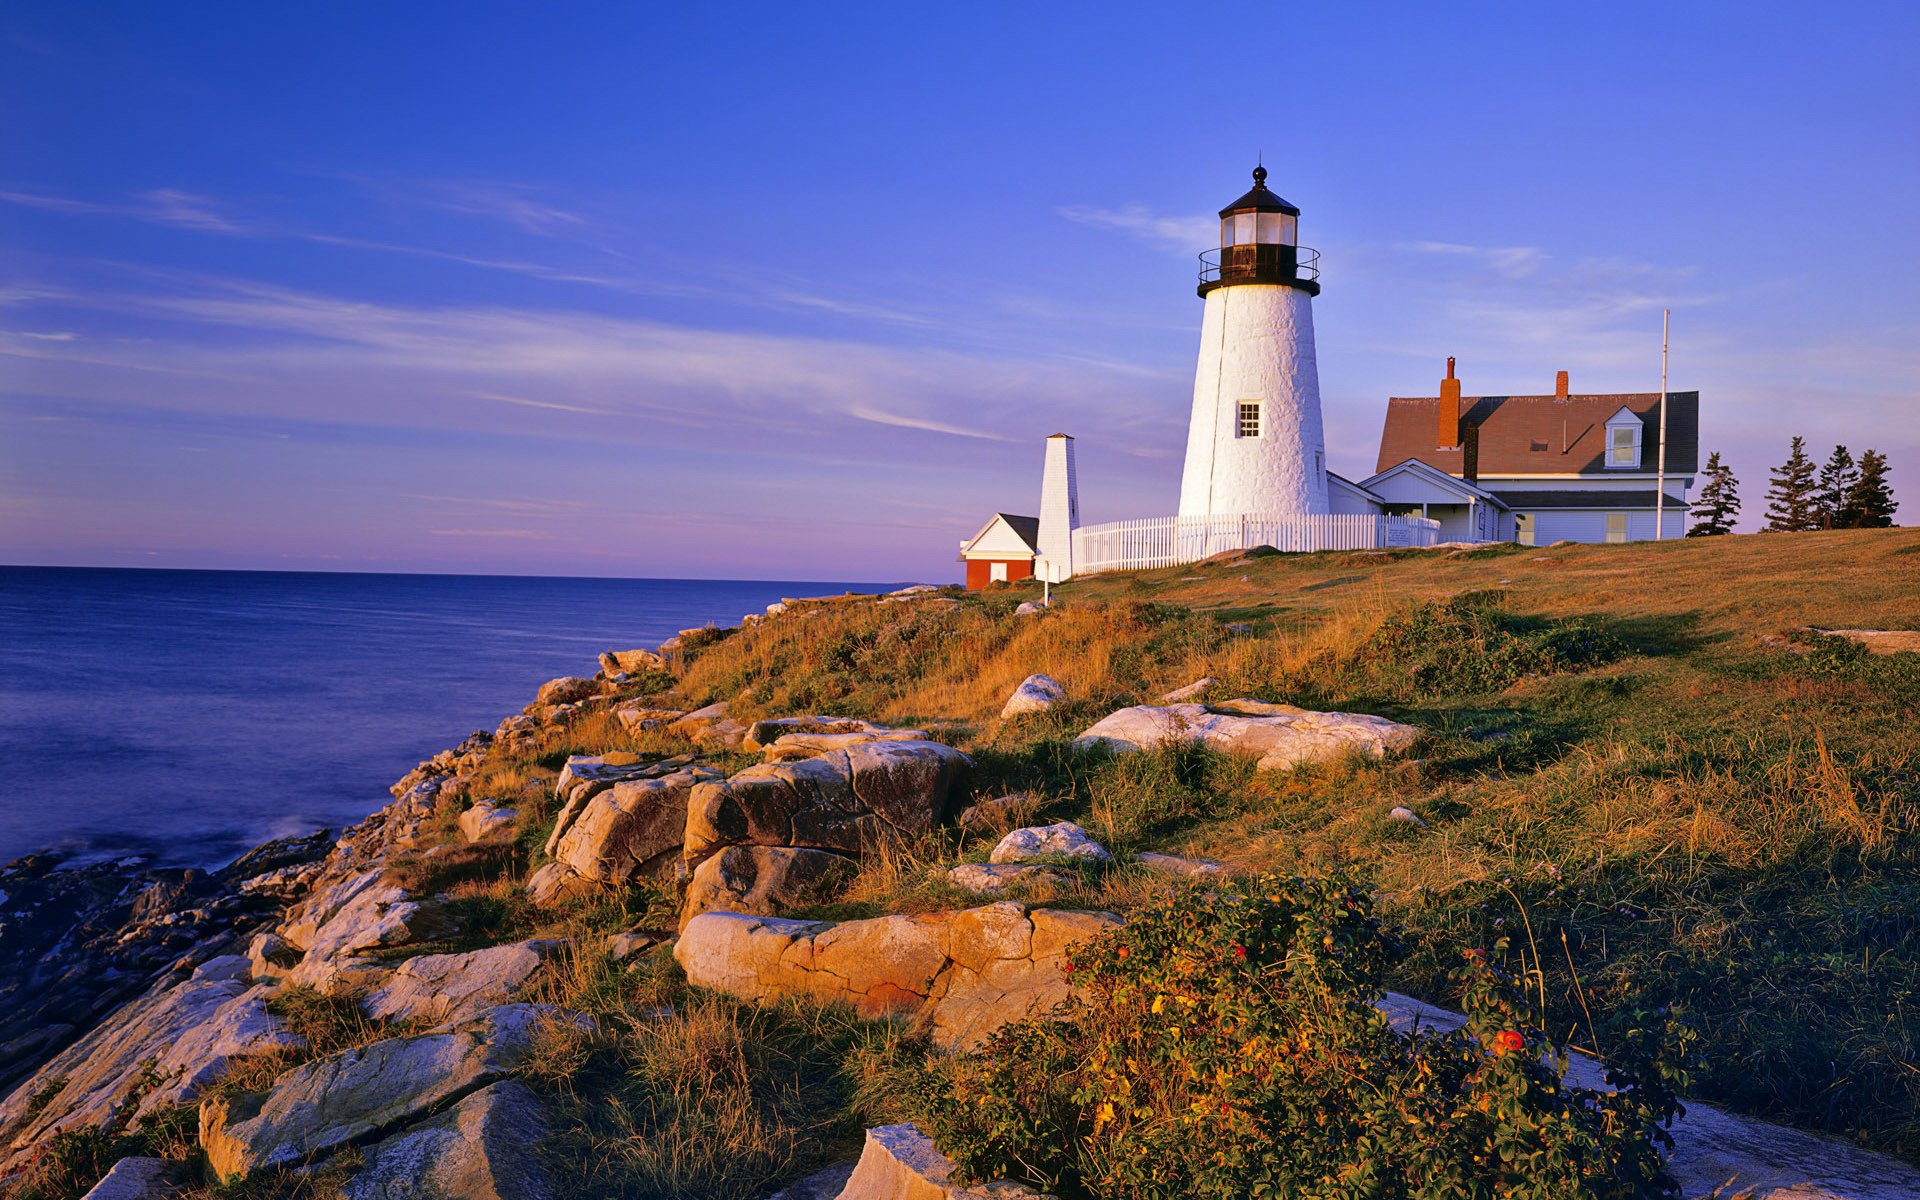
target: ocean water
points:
(186, 716)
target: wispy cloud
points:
(525, 535)
(1510, 262)
(1190, 235)
(165, 206)
(861, 412)
(547, 404)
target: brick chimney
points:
(1449, 409)
(1560, 386)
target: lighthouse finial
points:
(1259, 176)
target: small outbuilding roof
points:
(1025, 531)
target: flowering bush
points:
(1226, 1044)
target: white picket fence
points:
(1169, 541)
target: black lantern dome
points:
(1260, 243)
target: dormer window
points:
(1623, 441)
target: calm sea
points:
(189, 715)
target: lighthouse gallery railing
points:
(1170, 541)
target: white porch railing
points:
(1169, 541)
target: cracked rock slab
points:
(486, 1147)
(1280, 735)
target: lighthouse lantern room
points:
(1254, 441)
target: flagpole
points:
(1660, 482)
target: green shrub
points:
(1467, 644)
(1226, 1044)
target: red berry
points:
(1508, 1042)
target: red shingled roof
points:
(1499, 433)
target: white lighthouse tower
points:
(1255, 443)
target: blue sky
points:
(796, 291)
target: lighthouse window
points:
(1249, 419)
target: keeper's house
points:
(1535, 469)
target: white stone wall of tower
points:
(1256, 343)
(1059, 509)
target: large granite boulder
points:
(586, 776)
(762, 734)
(765, 880)
(710, 728)
(959, 974)
(568, 689)
(453, 988)
(184, 1035)
(640, 717)
(1280, 735)
(360, 1094)
(631, 830)
(1036, 693)
(486, 1147)
(134, 1179)
(850, 800)
(994, 878)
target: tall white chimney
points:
(1059, 511)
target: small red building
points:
(1002, 552)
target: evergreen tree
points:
(1836, 481)
(1719, 501)
(1869, 503)
(1791, 505)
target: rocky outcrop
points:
(183, 1035)
(486, 821)
(452, 988)
(849, 801)
(1036, 693)
(765, 880)
(486, 1147)
(899, 1162)
(1280, 735)
(568, 689)
(762, 734)
(634, 829)
(586, 776)
(639, 717)
(338, 929)
(358, 1094)
(556, 886)
(959, 974)
(631, 662)
(1061, 840)
(710, 728)
(1193, 691)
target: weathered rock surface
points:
(710, 728)
(900, 1163)
(791, 747)
(637, 717)
(631, 662)
(1405, 816)
(1029, 608)
(452, 988)
(487, 820)
(586, 776)
(765, 880)
(1182, 868)
(1280, 734)
(554, 885)
(631, 830)
(960, 974)
(762, 734)
(188, 1033)
(991, 879)
(568, 689)
(1063, 839)
(486, 1147)
(1036, 693)
(821, 1185)
(845, 800)
(133, 1179)
(358, 1094)
(337, 929)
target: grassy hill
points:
(1628, 771)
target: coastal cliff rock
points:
(336, 929)
(450, 988)
(486, 821)
(630, 830)
(765, 880)
(483, 1148)
(849, 800)
(586, 776)
(959, 974)
(899, 1162)
(1281, 735)
(183, 1035)
(357, 1094)
(629, 662)
(1036, 693)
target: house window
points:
(996, 572)
(1623, 441)
(1523, 528)
(1249, 425)
(1616, 527)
